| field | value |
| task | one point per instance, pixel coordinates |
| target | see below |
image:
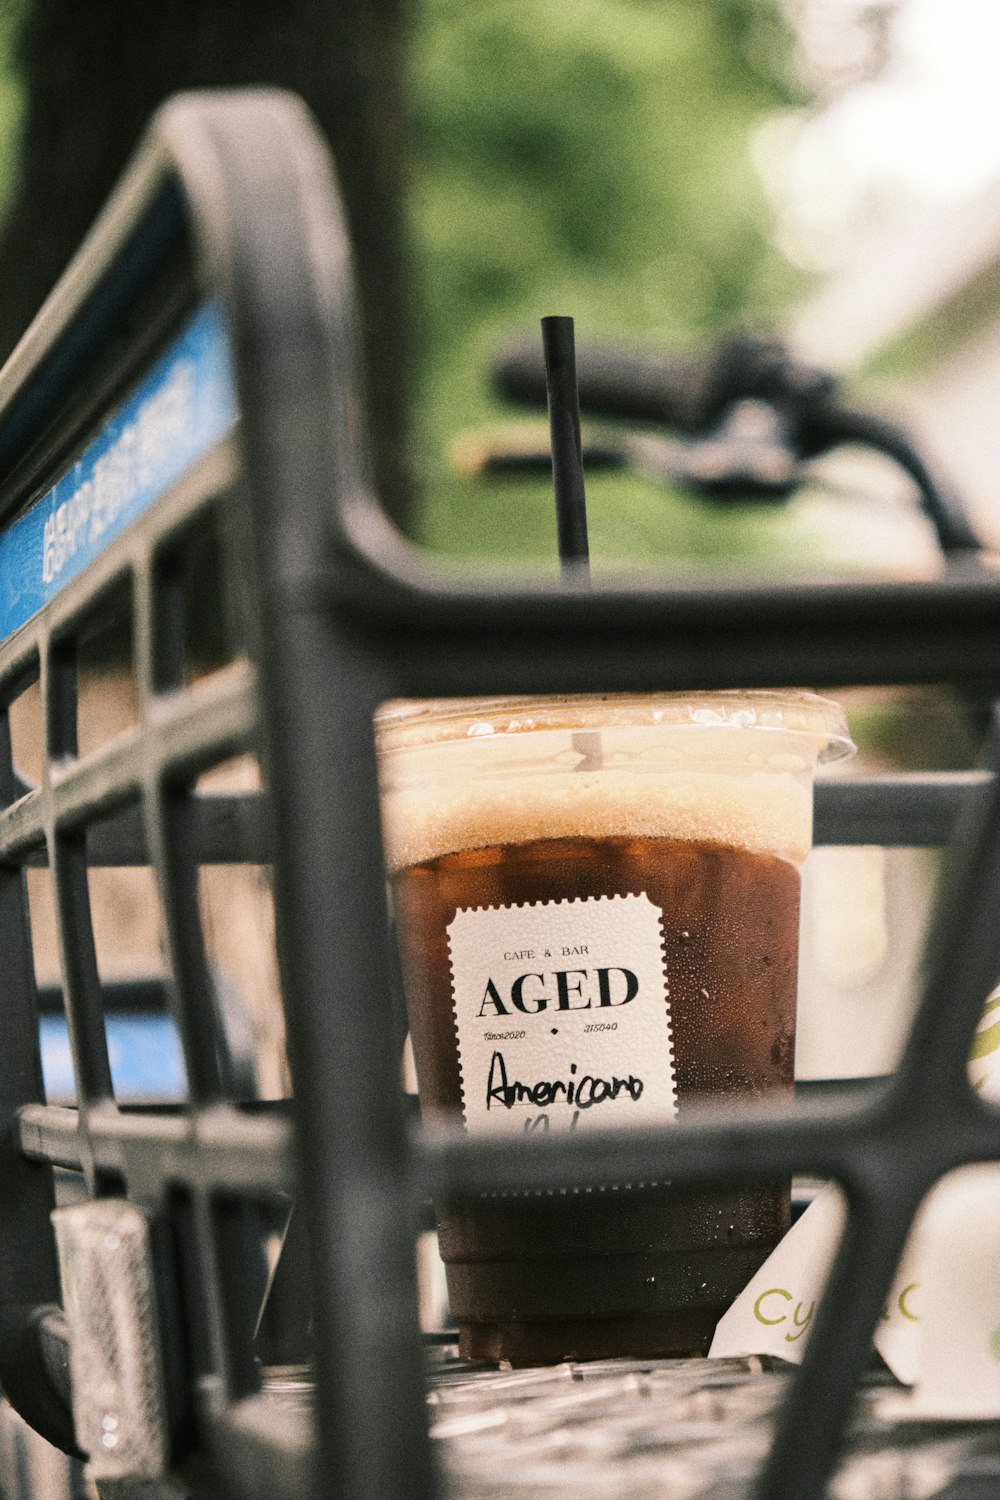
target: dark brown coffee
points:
(618, 1270)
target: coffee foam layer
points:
(760, 812)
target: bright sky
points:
(927, 129)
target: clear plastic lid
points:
(408, 724)
(732, 768)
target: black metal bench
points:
(210, 317)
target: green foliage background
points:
(11, 97)
(589, 157)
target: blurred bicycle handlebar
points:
(749, 415)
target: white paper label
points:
(562, 1013)
(940, 1328)
(774, 1313)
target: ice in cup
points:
(597, 908)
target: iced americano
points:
(597, 907)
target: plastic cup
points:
(597, 907)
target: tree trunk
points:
(94, 71)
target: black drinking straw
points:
(567, 458)
(567, 478)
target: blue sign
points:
(181, 409)
(144, 1051)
